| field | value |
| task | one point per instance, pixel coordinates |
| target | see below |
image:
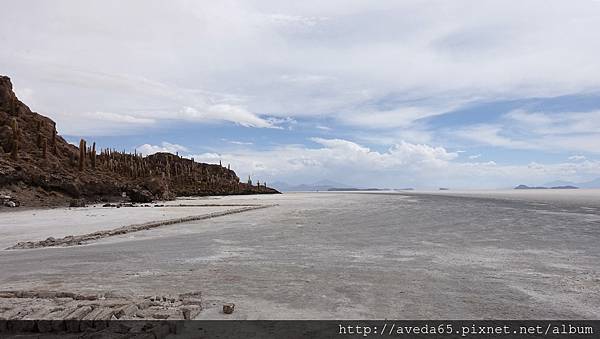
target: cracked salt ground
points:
(472, 255)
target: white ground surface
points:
(443, 255)
(33, 225)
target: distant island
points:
(353, 189)
(329, 186)
(585, 184)
(525, 187)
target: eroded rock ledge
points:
(52, 305)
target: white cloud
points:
(577, 158)
(235, 142)
(379, 65)
(492, 134)
(383, 68)
(404, 164)
(323, 128)
(147, 149)
(401, 117)
(520, 129)
(563, 123)
(332, 157)
(119, 118)
(100, 123)
(226, 112)
(279, 18)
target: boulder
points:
(140, 195)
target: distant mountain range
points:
(322, 185)
(525, 187)
(327, 186)
(560, 184)
(588, 184)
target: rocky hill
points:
(39, 168)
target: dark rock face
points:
(34, 157)
(140, 195)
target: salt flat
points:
(350, 255)
(33, 225)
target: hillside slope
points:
(39, 168)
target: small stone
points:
(65, 295)
(7, 294)
(127, 311)
(89, 297)
(228, 308)
(190, 312)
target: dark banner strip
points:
(301, 329)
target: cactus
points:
(13, 106)
(44, 148)
(93, 156)
(14, 154)
(54, 148)
(54, 134)
(39, 134)
(81, 154)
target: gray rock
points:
(140, 195)
(228, 308)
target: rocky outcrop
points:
(59, 305)
(37, 166)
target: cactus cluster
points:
(176, 170)
(179, 173)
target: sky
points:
(427, 93)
